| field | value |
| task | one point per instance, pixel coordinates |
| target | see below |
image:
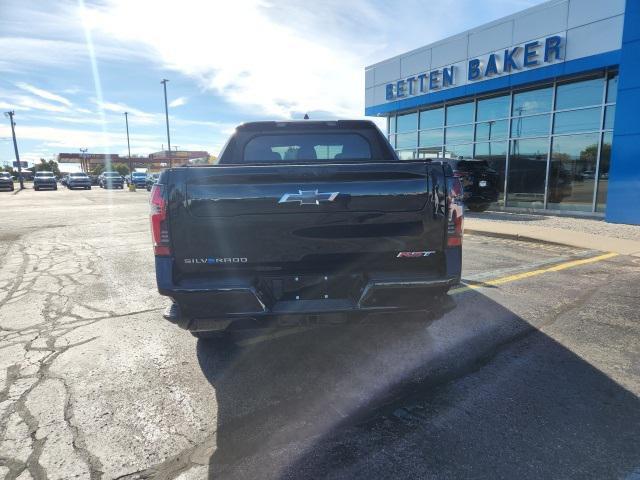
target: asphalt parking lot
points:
(529, 370)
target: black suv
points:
(78, 180)
(6, 181)
(480, 182)
(111, 180)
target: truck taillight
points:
(455, 226)
(159, 227)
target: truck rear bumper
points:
(215, 306)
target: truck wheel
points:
(478, 207)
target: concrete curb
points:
(514, 236)
(555, 236)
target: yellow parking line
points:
(533, 273)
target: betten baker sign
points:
(504, 62)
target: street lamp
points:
(166, 115)
(10, 115)
(126, 120)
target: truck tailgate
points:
(299, 217)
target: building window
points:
(609, 117)
(430, 152)
(495, 153)
(406, 154)
(579, 94)
(407, 123)
(612, 88)
(492, 130)
(460, 134)
(572, 172)
(407, 140)
(456, 151)
(584, 120)
(431, 137)
(431, 118)
(460, 113)
(603, 174)
(532, 101)
(527, 172)
(533, 126)
(538, 146)
(493, 108)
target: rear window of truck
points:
(306, 147)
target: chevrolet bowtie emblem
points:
(308, 197)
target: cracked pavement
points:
(537, 378)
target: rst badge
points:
(414, 254)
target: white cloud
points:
(58, 138)
(281, 59)
(135, 114)
(178, 102)
(266, 67)
(35, 104)
(43, 93)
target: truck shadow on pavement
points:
(467, 392)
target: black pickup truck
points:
(304, 219)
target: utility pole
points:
(126, 120)
(83, 164)
(10, 114)
(166, 115)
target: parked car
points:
(94, 179)
(345, 227)
(151, 180)
(78, 180)
(6, 181)
(481, 184)
(44, 180)
(110, 180)
(139, 179)
(63, 180)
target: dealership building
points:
(549, 97)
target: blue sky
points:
(70, 69)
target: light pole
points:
(85, 167)
(166, 115)
(10, 114)
(126, 121)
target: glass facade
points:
(550, 144)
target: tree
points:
(121, 168)
(97, 170)
(46, 166)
